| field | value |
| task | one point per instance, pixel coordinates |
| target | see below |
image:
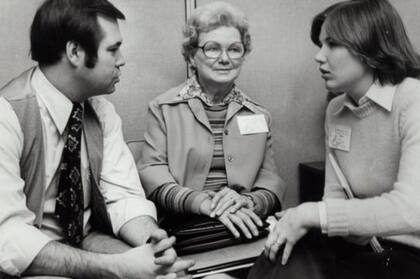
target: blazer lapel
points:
(198, 110)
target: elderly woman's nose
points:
(224, 57)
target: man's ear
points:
(74, 53)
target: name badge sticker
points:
(252, 124)
(340, 137)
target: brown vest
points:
(21, 96)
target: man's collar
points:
(58, 105)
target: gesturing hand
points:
(292, 225)
(228, 199)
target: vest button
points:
(230, 158)
(226, 132)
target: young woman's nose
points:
(320, 57)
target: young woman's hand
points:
(292, 225)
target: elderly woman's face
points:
(219, 58)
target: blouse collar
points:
(192, 89)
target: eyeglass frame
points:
(221, 48)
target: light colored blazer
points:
(179, 146)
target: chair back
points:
(135, 148)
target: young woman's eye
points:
(332, 43)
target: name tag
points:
(252, 124)
(339, 137)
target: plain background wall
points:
(280, 72)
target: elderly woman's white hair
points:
(209, 17)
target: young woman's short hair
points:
(374, 32)
(58, 21)
(209, 17)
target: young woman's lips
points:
(324, 73)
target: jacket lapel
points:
(198, 110)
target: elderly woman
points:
(371, 209)
(208, 146)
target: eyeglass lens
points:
(214, 50)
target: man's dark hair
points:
(57, 22)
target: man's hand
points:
(292, 225)
(154, 260)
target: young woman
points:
(372, 144)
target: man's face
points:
(101, 79)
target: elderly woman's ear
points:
(191, 61)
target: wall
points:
(279, 73)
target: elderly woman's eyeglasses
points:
(214, 50)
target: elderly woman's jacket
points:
(179, 146)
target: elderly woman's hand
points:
(292, 225)
(244, 220)
(228, 199)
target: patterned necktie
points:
(69, 207)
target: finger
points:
(167, 258)
(211, 194)
(230, 197)
(234, 208)
(248, 222)
(288, 248)
(255, 218)
(181, 265)
(217, 197)
(228, 223)
(271, 239)
(158, 235)
(240, 224)
(280, 214)
(275, 248)
(224, 204)
(163, 244)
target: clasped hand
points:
(234, 211)
(154, 260)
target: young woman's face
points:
(341, 70)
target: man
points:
(67, 178)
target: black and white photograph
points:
(215, 139)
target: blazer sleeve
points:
(153, 164)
